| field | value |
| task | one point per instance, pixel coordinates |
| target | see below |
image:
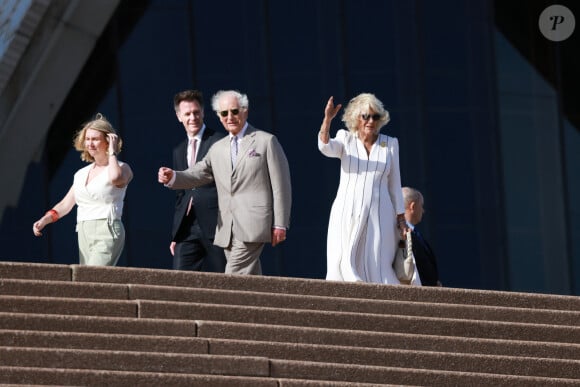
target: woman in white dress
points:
(98, 190)
(367, 218)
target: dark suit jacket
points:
(425, 260)
(205, 199)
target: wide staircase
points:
(113, 326)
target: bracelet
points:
(53, 214)
(323, 132)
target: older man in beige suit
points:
(252, 177)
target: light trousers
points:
(243, 257)
(100, 243)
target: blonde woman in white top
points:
(98, 191)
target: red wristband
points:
(53, 214)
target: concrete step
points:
(405, 376)
(43, 288)
(246, 366)
(68, 306)
(300, 286)
(341, 304)
(285, 285)
(257, 334)
(272, 334)
(135, 361)
(103, 341)
(217, 296)
(84, 377)
(97, 324)
(295, 317)
(172, 327)
(427, 360)
(389, 340)
(464, 362)
(35, 271)
(361, 321)
(42, 376)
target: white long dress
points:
(362, 232)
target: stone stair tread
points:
(135, 361)
(314, 353)
(45, 288)
(54, 289)
(110, 378)
(306, 286)
(405, 376)
(97, 324)
(260, 333)
(368, 339)
(354, 305)
(36, 271)
(157, 310)
(68, 306)
(287, 285)
(360, 321)
(401, 358)
(247, 366)
(109, 325)
(103, 341)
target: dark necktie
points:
(422, 240)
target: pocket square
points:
(253, 153)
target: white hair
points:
(242, 99)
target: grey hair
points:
(411, 195)
(242, 99)
(360, 105)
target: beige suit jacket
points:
(254, 196)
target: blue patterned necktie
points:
(234, 150)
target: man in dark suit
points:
(424, 255)
(196, 210)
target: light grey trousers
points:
(243, 257)
(100, 243)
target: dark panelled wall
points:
(431, 63)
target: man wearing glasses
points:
(252, 177)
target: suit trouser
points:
(243, 257)
(199, 254)
(193, 250)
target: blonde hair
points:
(361, 105)
(101, 124)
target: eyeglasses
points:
(367, 117)
(224, 113)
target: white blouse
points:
(98, 199)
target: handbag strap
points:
(409, 244)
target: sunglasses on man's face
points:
(367, 117)
(224, 113)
